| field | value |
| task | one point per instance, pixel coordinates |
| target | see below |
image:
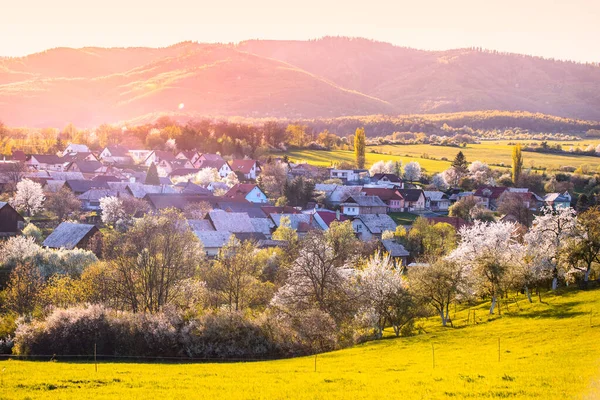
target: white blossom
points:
(29, 197)
(112, 209)
(412, 171)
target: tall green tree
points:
(517, 163)
(152, 176)
(460, 163)
(360, 144)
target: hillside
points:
(547, 351)
(331, 77)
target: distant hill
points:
(330, 77)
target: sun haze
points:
(563, 30)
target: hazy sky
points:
(566, 29)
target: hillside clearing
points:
(547, 351)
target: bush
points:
(224, 335)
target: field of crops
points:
(548, 350)
(430, 157)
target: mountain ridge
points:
(329, 77)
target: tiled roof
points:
(377, 223)
(243, 166)
(231, 221)
(383, 193)
(410, 195)
(47, 158)
(492, 192)
(240, 190)
(394, 248)
(213, 239)
(365, 201)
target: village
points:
(228, 201)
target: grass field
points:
(492, 152)
(548, 350)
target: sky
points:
(562, 29)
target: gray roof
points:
(297, 221)
(231, 221)
(377, 223)
(556, 197)
(365, 201)
(435, 195)
(63, 176)
(54, 185)
(68, 235)
(97, 194)
(213, 239)
(341, 193)
(200, 225)
(262, 225)
(394, 248)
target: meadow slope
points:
(548, 350)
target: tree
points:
(298, 191)
(412, 171)
(235, 276)
(384, 294)
(511, 203)
(583, 250)
(360, 145)
(439, 182)
(438, 284)
(463, 208)
(62, 204)
(427, 239)
(452, 177)
(151, 259)
(315, 282)
(488, 251)
(460, 164)
(382, 167)
(15, 172)
(112, 209)
(547, 238)
(480, 172)
(24, 288)
(206, 176)
(272, 179)
(29, 197)
(152, 176)
(517, 164)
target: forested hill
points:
(328, 78)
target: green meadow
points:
(544, 350)
(431, 157)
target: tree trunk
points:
(528, 293)
(493, 305)
(443, 317)
(554, 283)
(586, 277)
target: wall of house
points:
(9, 221)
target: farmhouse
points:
(372, 226)
(247, 191)
(11, 222)
(69, 235)
(360, 205)
(249, 168)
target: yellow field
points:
(547, 351)
(491, 152)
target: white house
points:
(139, 156)
(157, 156)
(191, 155)
(75, 148)
(247, 191)
(220, 165)
(249, 168)
(369, 226)
(45, 162)
(437, 201)
(349, 175)
(116, 155)
(165, 167)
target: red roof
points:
(384, 194)
(243, 166)
(328, 217)
(240, 190)
(494, 191)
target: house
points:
(414, 199)
(305, 170)
(324, 218)
(156, 156)
(372, 226)
(437, 201)
(116, 154)
(180, 201)
(210, 157)
(213, 241)
(385, 179)
(69, 158)
(139, 156)
(488, 196)
(192, 188)
(88, 168)
(76, 148)
(90, 200)
(69, 235)
(11, 222)
(360, 205)
(340, 193)
(249, 168)
(391, 197)
(350, 175)
(397, 252)
(191, 155)
(301, 223)
(47, 162)
(558, 200)
(183, 172)
(220, 165)
(165, 167)
(247, 191)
